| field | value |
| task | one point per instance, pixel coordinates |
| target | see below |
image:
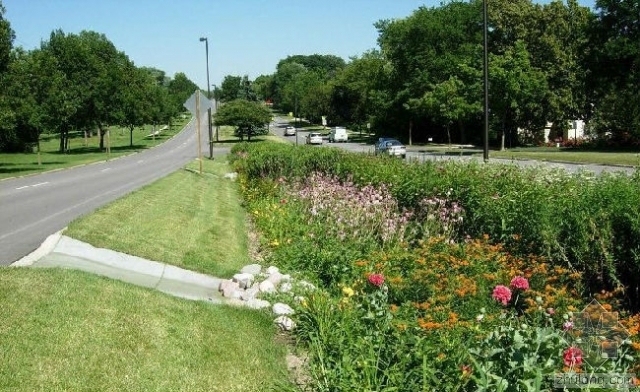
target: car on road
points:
(391, 147)
(338, 134)
(314, 138)
(290, 131)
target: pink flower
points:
(568, 325)
(502, 294)
(376, 279)
(572, 356)
(519, 283)
(551, 311)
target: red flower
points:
(519, 283)
(502, 294)
(376, 279)
(572, 356)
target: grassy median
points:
(63, 330)
(186, 219)
(68, 330)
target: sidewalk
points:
(65, 252)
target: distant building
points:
(574, 131)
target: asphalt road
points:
(280, 123)
(34, 207)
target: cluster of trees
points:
(78, 83)
(547, 63)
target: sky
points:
(245, 37)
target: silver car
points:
(391, 147)
(290, 131)
(314, 138)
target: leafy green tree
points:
(359, 91)
(264, 87)
(230, 88)
(249, 118)
(614, 70)
(180, 89)
(6, 40)
(517, 90)
(448, 103)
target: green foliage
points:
(585, 223)
(426, 308)
(249, 118)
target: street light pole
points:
(486, 82)
(215, 97)
(206, 46)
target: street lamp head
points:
(203, 39)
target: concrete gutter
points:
(61, 251)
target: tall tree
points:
(230, 88)
(249, 118)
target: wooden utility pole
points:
(198, 129)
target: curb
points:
(44, 249)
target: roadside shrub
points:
(585, 223)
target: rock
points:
(230, 288)
(285, 323)
(275, 278)
(253, 269)
(281, 309)
(267, 287)
(231, 176)
(286, 278)
(286, 287)
(237, 294)
(250, 293)
(244, 280)
(257, 303)
(272, 270)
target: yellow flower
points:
(348, 291)
(275, 243)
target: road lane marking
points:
(104, 170)
(23, 187)
(42, 183)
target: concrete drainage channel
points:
(242, 290)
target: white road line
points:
(104, 170)
(42, 183)
(22, 187)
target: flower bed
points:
(414, 296)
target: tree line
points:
(548, 63)
(78, 83)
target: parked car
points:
(338, 134)
(290, 131)
(391, 147)
(314, 138)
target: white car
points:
(290, 131)
(391, 147)
(314, 138)
(338, 134)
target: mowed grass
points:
(63, 330)
(226, 137)
(186, 219)
(83, 151)
(551, 154)
(561, 155)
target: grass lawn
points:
(226, 137)
(82, 151)
(192, 221)
(63, 330)
(566, 155)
